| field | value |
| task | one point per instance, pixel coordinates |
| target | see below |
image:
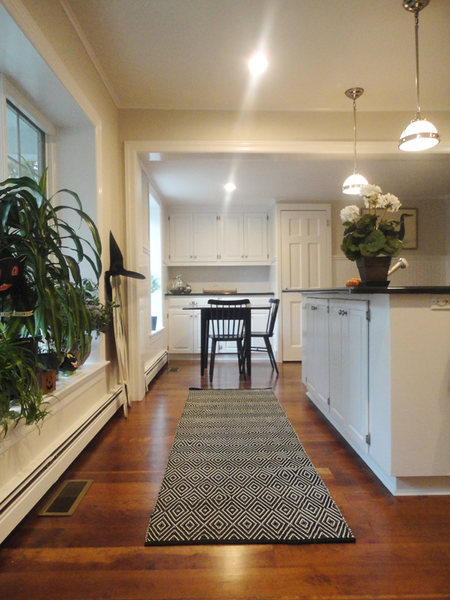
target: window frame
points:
(153, 196)
(10, 94)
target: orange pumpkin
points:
(353, 282)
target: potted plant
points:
(21, 396)
(155, 286)
(44, 237)
(100, 317)
(35, 227)
(372, 239)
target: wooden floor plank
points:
(402, 550)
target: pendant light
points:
(420, 134)
(353, 183)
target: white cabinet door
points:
(180, 238)
(232, 238)
(204, 242)
(244, 238)
(192, 238)
(181, 331)
(255, 237)
(315, 367)
(349, 369)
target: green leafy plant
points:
(20, 393)
(35, 227)
(100, 315)
(371, 234)
(155, 283)
(46, 305)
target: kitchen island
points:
(376, 363)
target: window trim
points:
(10, 93)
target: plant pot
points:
(373, 270)
(154, 320)
(47, 380)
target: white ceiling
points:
(192, 55)
(264, 178)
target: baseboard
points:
(153, 367)
(23, 498)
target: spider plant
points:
(20, 393)
(42, 230)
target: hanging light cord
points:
(416, 15)
(354, 132)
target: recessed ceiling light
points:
(258, 64)
(229, 187)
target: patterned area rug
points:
(238, 474)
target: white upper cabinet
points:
(204, 238)
(192, 238)
(232, 238)
(244, 238)
(255, 237)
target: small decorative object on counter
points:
(177, 286)
(372, 239)
(353, 282)
(69, 365)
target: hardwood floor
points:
(402, 548)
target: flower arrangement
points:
(372, 233)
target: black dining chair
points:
(266, 335)
(227, 324)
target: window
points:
(25, 145)
(156, 301)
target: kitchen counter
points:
(417, 289)
(219, 293)
(375, 362)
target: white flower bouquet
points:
(372, 233)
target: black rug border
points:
(240, 542)
(255, 542)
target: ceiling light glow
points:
(257, 64)
(230, 186)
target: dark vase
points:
(373, 270)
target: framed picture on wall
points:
(410, 223)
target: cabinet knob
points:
(313, 307)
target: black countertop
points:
(219, 293)
(415, 289)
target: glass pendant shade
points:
(352, 185)
(419, 135)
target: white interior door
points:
(291, 311)
(305, 264)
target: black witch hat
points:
(116, 266)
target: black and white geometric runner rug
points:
(238, 474)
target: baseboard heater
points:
(153, 368)
(32, 488)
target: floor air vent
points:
(173, 369)
(66, 498)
